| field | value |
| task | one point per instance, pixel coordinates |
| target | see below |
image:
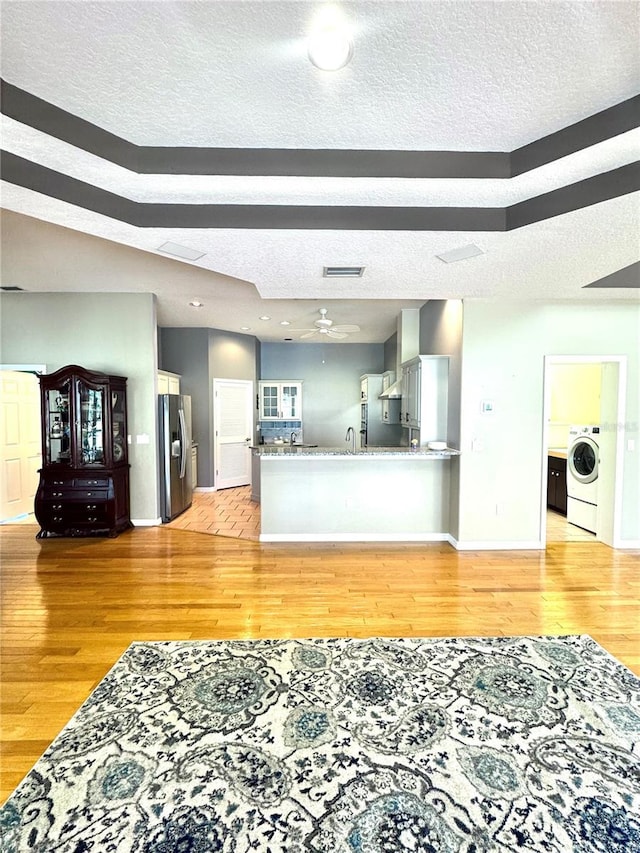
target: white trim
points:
(621, 361)
(205, 489)
(146, 522)
(25, 368)
(626, 544)
(354, 537)
(498, 545)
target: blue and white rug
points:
(344, 746)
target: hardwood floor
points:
(70, 607)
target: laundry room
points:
(573, 431)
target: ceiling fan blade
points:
(347, 327)
(308, 334)
(333, 334)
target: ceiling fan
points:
(324, 326)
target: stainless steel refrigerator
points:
(176, 488)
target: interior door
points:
(233, 428)
(20, 447)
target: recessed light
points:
(179, 251)
(285, 323)
(195, 303)
(244, 328)
(264, 317)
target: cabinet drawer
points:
(91, 482)
(60, 515)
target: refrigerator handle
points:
(183, 443)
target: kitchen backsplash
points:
(268, 431)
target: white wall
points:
(504, 345)
(109, 332)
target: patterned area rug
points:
(344, 746)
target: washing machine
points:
(583, 462)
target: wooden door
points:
(233, 428)
(20, 445)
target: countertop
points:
(270, 450)
(558, 452)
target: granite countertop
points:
(302, 451)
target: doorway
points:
(20, 443)
(233, 428)
(604, 377)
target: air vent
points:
(179, 251)
(11, 289)
(342, 272)
(460, 254)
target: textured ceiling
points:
(425, 76)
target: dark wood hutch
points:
(84, 479)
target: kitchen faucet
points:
(351, 436)
(292, 437)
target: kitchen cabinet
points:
(425, 381)
(84, 479)
(168, 383)
(280, 400)
(390, 411)
(557, 484)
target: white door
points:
(233, 428)
(20, 447)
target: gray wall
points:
(330, 374)
(200, 356)
(441, 334)
(112, 333)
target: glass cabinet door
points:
(91, 403)
(57, 444)
(119, 427)
(290, 405)
(269, 401)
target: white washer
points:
(583, 462)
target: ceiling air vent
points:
(342, 272)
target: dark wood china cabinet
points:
(84, 479)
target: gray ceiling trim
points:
(48, 118)
(33, 176)
(583, 134)
(626, 277)
(608, 185)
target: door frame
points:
(615, 388)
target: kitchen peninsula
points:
(378, 494)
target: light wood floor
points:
(70, 607)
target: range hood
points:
(408, 347)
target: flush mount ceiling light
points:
(179, 251)
(461, 254)
(244, 328)
(195, 303)
(285, 323)
(329, 45)
(264, 317)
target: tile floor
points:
(559, 530)
(228, 512)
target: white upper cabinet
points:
(168, 383)
(425, 384)
(280, 400)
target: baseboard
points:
(627, 544)
(146, 522)
(488, 545)
(354, 537)
(205, 489)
